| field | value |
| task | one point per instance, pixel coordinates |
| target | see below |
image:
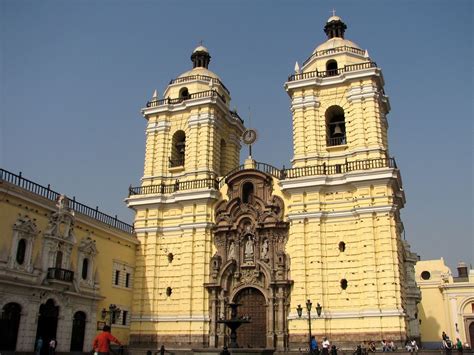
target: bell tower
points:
(338, 103)
(343, 199)
(192, 138)
(191, 132)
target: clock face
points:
(249, 136)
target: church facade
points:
(212, 232)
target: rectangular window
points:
(124, 317)
(114, 317)
(127, 280)
(117, 277)
(472, 306)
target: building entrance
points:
(47, 323)
(9, 323)
(253, 305)
(78, 331)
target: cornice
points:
(179, 196)
(162, 126)
(153, 318)
(178, 228)
(353, 314)
(355, 212)
(345, 154)
(335, 80)
(304, 102)
(363, 176)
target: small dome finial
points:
(334, 26)
(200, 56)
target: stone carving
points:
(88, 247)
(250, 277)
(61, 223)
(264, 251)
(231, 254)
(249, 249)
(250, 238)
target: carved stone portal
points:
(250, 237)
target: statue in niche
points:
(249, 248)
(231, 254)
(264, 251)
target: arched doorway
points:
(47, 323)
(78, 331)
(9, 324)
(253, 334)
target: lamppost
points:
(113, 312)
(299, 309)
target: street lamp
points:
(309, 305)
(113, 312)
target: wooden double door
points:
(253, 305)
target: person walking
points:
(52, 346)
(39, 345)
(459, 347)
(326, 345)
(314, 346)
(447, 345)
(101, 343)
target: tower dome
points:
(200, 58)
(335, 29)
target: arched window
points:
(223, 162)
(247, 192)
(178, 149)
(20, 252)
(335, 126)
(331, 67)
(85, 268)
(184, 93)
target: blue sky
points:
(74, 75)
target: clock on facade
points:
(249, 136)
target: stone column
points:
(270, 322)
(27, 329)
(280, 345)
(64, 329)
(213, 325)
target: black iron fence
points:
(197, 95)
(332, 72)
(176, 186)
(282, 174)
(60, 274)
(45, 191)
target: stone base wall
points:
(349, 340)
(155, 341)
